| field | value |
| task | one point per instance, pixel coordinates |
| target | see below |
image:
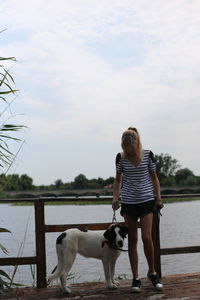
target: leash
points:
(116, 248)
(114, 219)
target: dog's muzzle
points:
(120, 244)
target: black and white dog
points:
(104, 245)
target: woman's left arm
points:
(156, 185)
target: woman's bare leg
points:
(146, 230)
(131, 223)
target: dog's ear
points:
(108, 234)
(124, 231)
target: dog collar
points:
(106, 242)
(110, 245)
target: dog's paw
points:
(115, 282)
(112, 287)
(66, 290)
(48, 280)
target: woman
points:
(137, 180)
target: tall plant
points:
(7, 133)
(4, 277)
(7, 130)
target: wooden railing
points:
(41, 229)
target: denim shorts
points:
(138, 210)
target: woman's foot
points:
(136, 286)
(153, 277)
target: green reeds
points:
(4, 277)
(21, 249)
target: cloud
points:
(94, 68)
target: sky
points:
(86, 70)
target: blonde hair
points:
(131, 137)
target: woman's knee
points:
(146, 238)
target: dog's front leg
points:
(112, 268)
(107, 272)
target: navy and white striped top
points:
(137, 186)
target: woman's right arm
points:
(116, 191)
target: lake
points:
(179, 226)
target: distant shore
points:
(102, 201)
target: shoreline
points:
(98, 202)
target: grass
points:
(172, 200)
(101, 202)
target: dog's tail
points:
(59, 268)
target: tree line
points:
(168, 170)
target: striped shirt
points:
(137, 185)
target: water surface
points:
(180, 226)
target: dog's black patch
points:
(123, 231)
(61, 237)
(83, 229)
(110, 234)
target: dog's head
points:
(116, 234)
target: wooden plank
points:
(89, 226)
(156, 242)
(12, 261)
(40, 244)
(180, 250)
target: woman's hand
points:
(116, 191)
(115, 204)
(159, 204)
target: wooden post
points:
(156, 242)
(40, 244)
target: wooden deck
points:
(176, 287)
